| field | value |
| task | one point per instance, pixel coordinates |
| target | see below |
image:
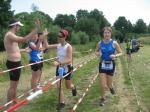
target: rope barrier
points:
(27, 65)
(24, 94)
(83, 95)
(23, 66)
(40, 91)
(84, 51)
(136, 96)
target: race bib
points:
(40, 55)
(107, 65)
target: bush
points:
(79, 38)
(75, 39)
(145, 40)
(2, 35)
(84, 38)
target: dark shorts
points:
(14, 74)
(108, 72)
(68, 77)
(37, 66)
(128, 51)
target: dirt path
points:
(123, 101)
(127, 102)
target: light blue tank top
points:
(106, 49)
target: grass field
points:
(123, 101)
(139, 69)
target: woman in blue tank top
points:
(36, 55)
(105, 49)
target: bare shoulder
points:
(14, 38)
(10, 35)
(115, 43)
(69, 46)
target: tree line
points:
(83, 27)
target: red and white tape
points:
(23, 66)
(83, 95)
(90, 50)
(24, 94)
(38, 92)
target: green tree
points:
(87, 25)
(28, 20)
(149, 28)
(121, 24)
(5, 13)
(81, 13)
(140, 26)
(99, 17)
(65, 20)
(129, 27)
(5, 16)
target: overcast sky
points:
(112, 9)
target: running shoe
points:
(74, 91)
(60, 106)
(102, 102)
(112, 91)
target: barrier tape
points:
(136, 96)
(23, 66)
(83, 95)
(38, 92)
(84, 51)
(24, 94)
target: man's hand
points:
(37, 23)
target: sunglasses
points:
(60, 36)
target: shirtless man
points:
(11, 41)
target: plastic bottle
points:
(60, 71)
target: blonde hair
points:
(107, 28)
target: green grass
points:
(140, 67)
(48, 101)
(125, 71)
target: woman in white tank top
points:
(64, 53)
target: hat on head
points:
(15, 22)
(64, 32)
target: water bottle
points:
(60, 71)
(65, 69)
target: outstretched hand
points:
(37, 23)
(45, 32)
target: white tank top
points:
(62, 52)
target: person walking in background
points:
(106, 50)
(11, 41)
(128, 49)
